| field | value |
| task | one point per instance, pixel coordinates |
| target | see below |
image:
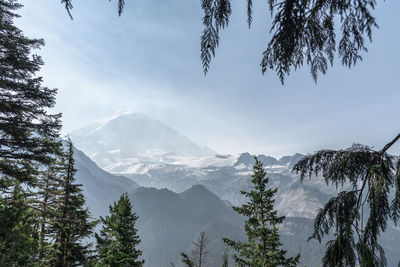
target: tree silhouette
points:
(358, 215)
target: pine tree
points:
(18, 230)
(28, 138)
(28, 134)
(118, 239)
(359, 214)
(70, 225)
(263, 248)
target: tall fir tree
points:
(70, 226)
(28, 134)
(361, 212)
(118, 239)
(263, 248)
(28, 137)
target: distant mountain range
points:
(169, 222)
(190, 189)
(153, 155)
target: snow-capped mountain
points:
(194, 192)
(127, 137)
(227, 175)
(154, 155)
(162, 213)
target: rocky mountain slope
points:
(169, 222)
(99, 187)
(190, 189)
(153, 155)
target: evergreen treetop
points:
(118, 239)
(70, 224)
(262, 248)
(28, 134)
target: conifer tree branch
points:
(391, 143)
(381, 152)
(368, 170)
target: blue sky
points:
(148, 60)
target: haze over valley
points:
(211, 133)
(179, 188)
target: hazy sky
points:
(148, 60)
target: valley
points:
(179, 194)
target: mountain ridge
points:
(223, 175)
(170, 221)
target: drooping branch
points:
(374, 172)
(381, 152)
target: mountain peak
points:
(291, 160)
(121, 116)
(267, 160)
(200, 194)
(128, 135)
(245, 159)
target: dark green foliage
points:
(359, 215)
(18, 230)
(69, 226)
(118, 239)
(28, 139)
(216, 17)
(263, 246)
(302, 32)
(28, 133)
